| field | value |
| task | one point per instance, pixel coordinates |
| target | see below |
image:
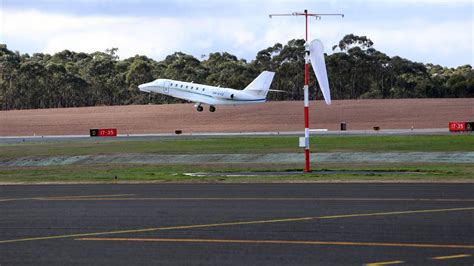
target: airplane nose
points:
(151, 86)
(144, 87)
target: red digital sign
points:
(107, 132)
(457, 126)
(103, 132)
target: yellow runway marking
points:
(384, 263)
(235, 223)
(295, 242)
(67, 197)
(87, 196)
(451, 257)
(157, 229)
(394, 213)
(266, 199)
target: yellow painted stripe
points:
(451, 257)
(233, 223)
(156, 229)
(394, 213)
(295, 242)
(264, 199)
(86, 197)
(103, 196)
(14, 199)
(384, 263)
(66, 197)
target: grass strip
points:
(224, 145)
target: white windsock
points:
(316, 56)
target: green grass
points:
(274, 144)
(175, 173)
(248, 145)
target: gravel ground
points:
(352, 157)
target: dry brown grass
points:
(272, 116)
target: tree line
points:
(356, 70)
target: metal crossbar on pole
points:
(307, 168)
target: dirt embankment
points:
(272, 116)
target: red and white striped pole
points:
(307, 167)
(306, 81)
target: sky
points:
(428, 31)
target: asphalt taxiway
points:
(235, 224)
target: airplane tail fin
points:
(259, 87)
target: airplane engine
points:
(232, 95)
(223, 95)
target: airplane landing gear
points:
(212, 109)
(199, 108)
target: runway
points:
(236, 224)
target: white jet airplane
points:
(255, 92)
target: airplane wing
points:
(205, 100)
(197, 98)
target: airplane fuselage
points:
(255, 92)
(200, 93)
